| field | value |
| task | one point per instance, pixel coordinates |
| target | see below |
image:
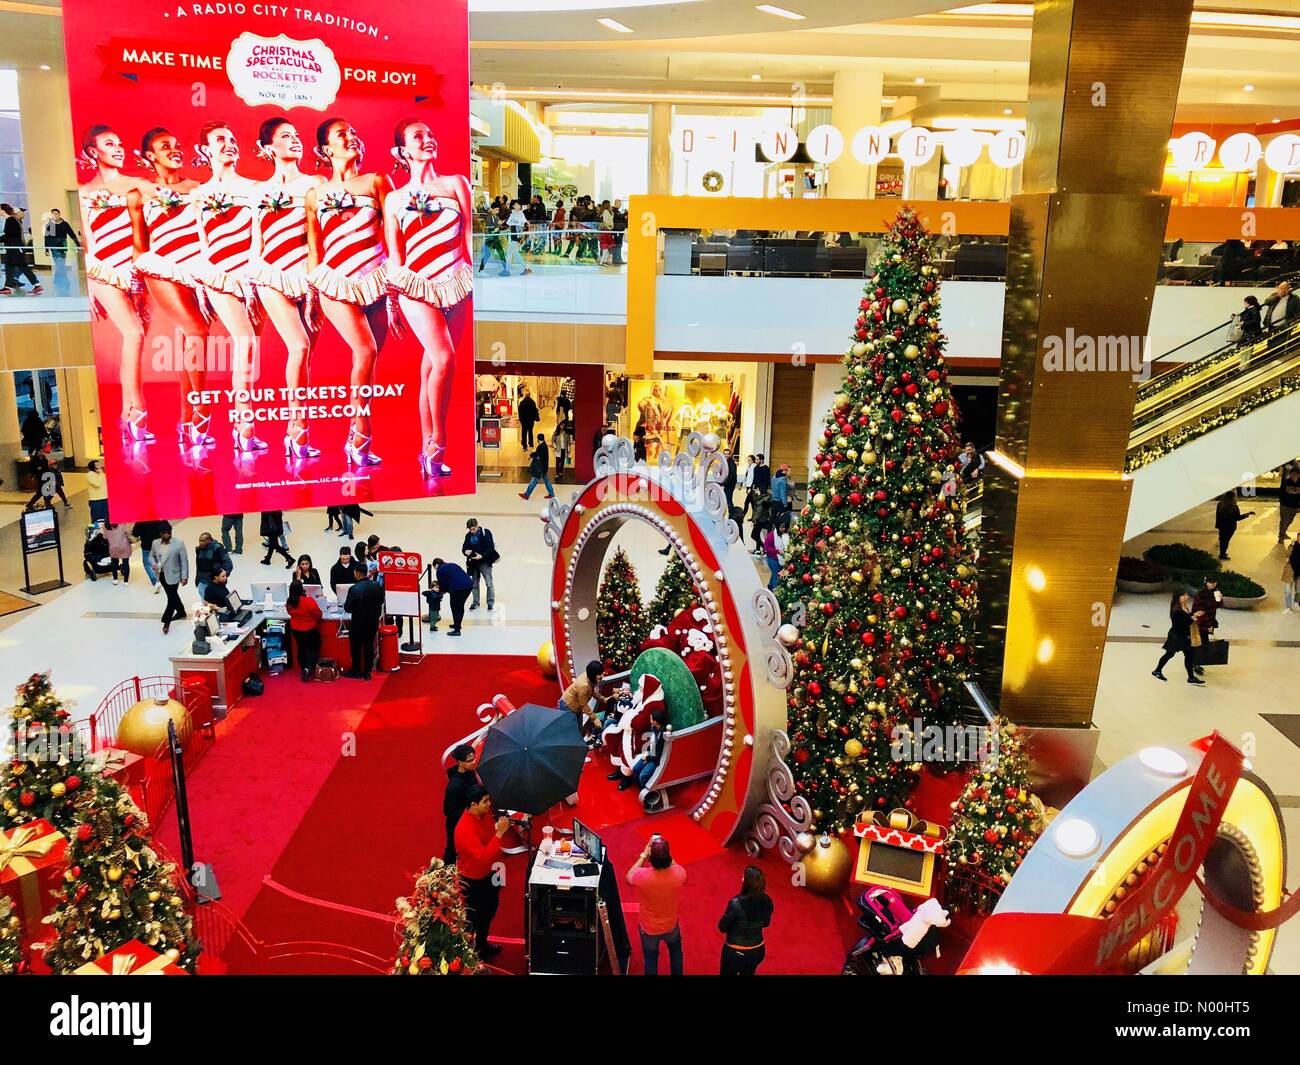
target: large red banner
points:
(276, 207)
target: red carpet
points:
(276, 796)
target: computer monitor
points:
(312, 590)
(279, 593)
(341, 593)
(236, 604)
(588, 842)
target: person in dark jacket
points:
(528, 417)
(762, 476)
(1288, 500)
(272, 530)
(306, 572)
(729, 482)
(210, 558)
(452, 581)
(341, 571)
(480, 555)
(365, 607)
(1206, 603)
(462, 776)
(644, 767)
(1181, 618)
(1282, 308)
(742, 923)
(539, 468)
(1252, 328)
(1226, 516)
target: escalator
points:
(1210, 425)
(1207, 426)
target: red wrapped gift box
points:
(126, 767)
(32, 860)
(132, 958)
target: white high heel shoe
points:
(360, 454)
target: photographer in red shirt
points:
(478, 846)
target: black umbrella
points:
(532, 758)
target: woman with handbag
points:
(304, 623)
(1184, 635)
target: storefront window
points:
(13, 182)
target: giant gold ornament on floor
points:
(546, 660)
(143, 728)
(826, 867)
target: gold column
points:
(1084, 250)
(661, 149)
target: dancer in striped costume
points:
(346, 258)
(280, 263)
(109, 270)
(167, 255)
(429, 231)
(225, 203)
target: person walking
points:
(1227, 514)
(461, 776)
(452, 581)
(273, 533)
(762, 520)
(15, 255)
(729, 482)
(781, 494)
(528, 417)
(480, 555)
(747, 483)
(210, 558)
(658, 889)
(562, 441)
(539, 466)
(171, 561)
(365, 607)
(1206, 603)
(96, 492)
(148, 533)
(49, 479)
(1291, 578)
(1288, 500)
(742, 924)
(478, 847)
(304, 623)
(119, 550)
(1182, 619)
(232, 523)
(55, 237)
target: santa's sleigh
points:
(686, 754)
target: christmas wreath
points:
(712, 181)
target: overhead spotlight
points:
(780, 12)
(1248, 88)
(45, 66)
(920, 81)
(756, 77)
(1006, 110)
(1276, 121)
(615, 25)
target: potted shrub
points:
(1183, 561)
(1141, 576)
(1239, 591)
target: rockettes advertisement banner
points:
(277, 217)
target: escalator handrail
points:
(1194, 396)
(1221, 360)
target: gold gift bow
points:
(124, 965)
(21, 845)
(900, 819)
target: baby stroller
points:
(896, 938)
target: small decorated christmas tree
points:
(42, 771)
(995, 821)
(12, 960)
(117, 888)
(436, 936)
(621, 625)
(673, 594)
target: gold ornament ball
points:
(546, 660)
(826, 868)
(58, 790)
(911, 352)
(899, 306)
(114, 873)
(853, 748)
(143, 728)
(819, 500)
(869, 458)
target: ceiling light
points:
(45, 66)
(756, 77)
(615, 25)
(780, 12)
(1006, 110)
(1163, 761)
(920, 81)
(1074, 837)
(1276, 121)
(1248, 88)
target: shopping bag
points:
(1213, 653)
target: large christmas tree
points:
(436, 937)
(879, 576)
(116, 888)
(673, 594)
(621, 625)
(995, 821)
(43, 770)
(12, 958)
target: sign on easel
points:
(40, 530)
(401, 572)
